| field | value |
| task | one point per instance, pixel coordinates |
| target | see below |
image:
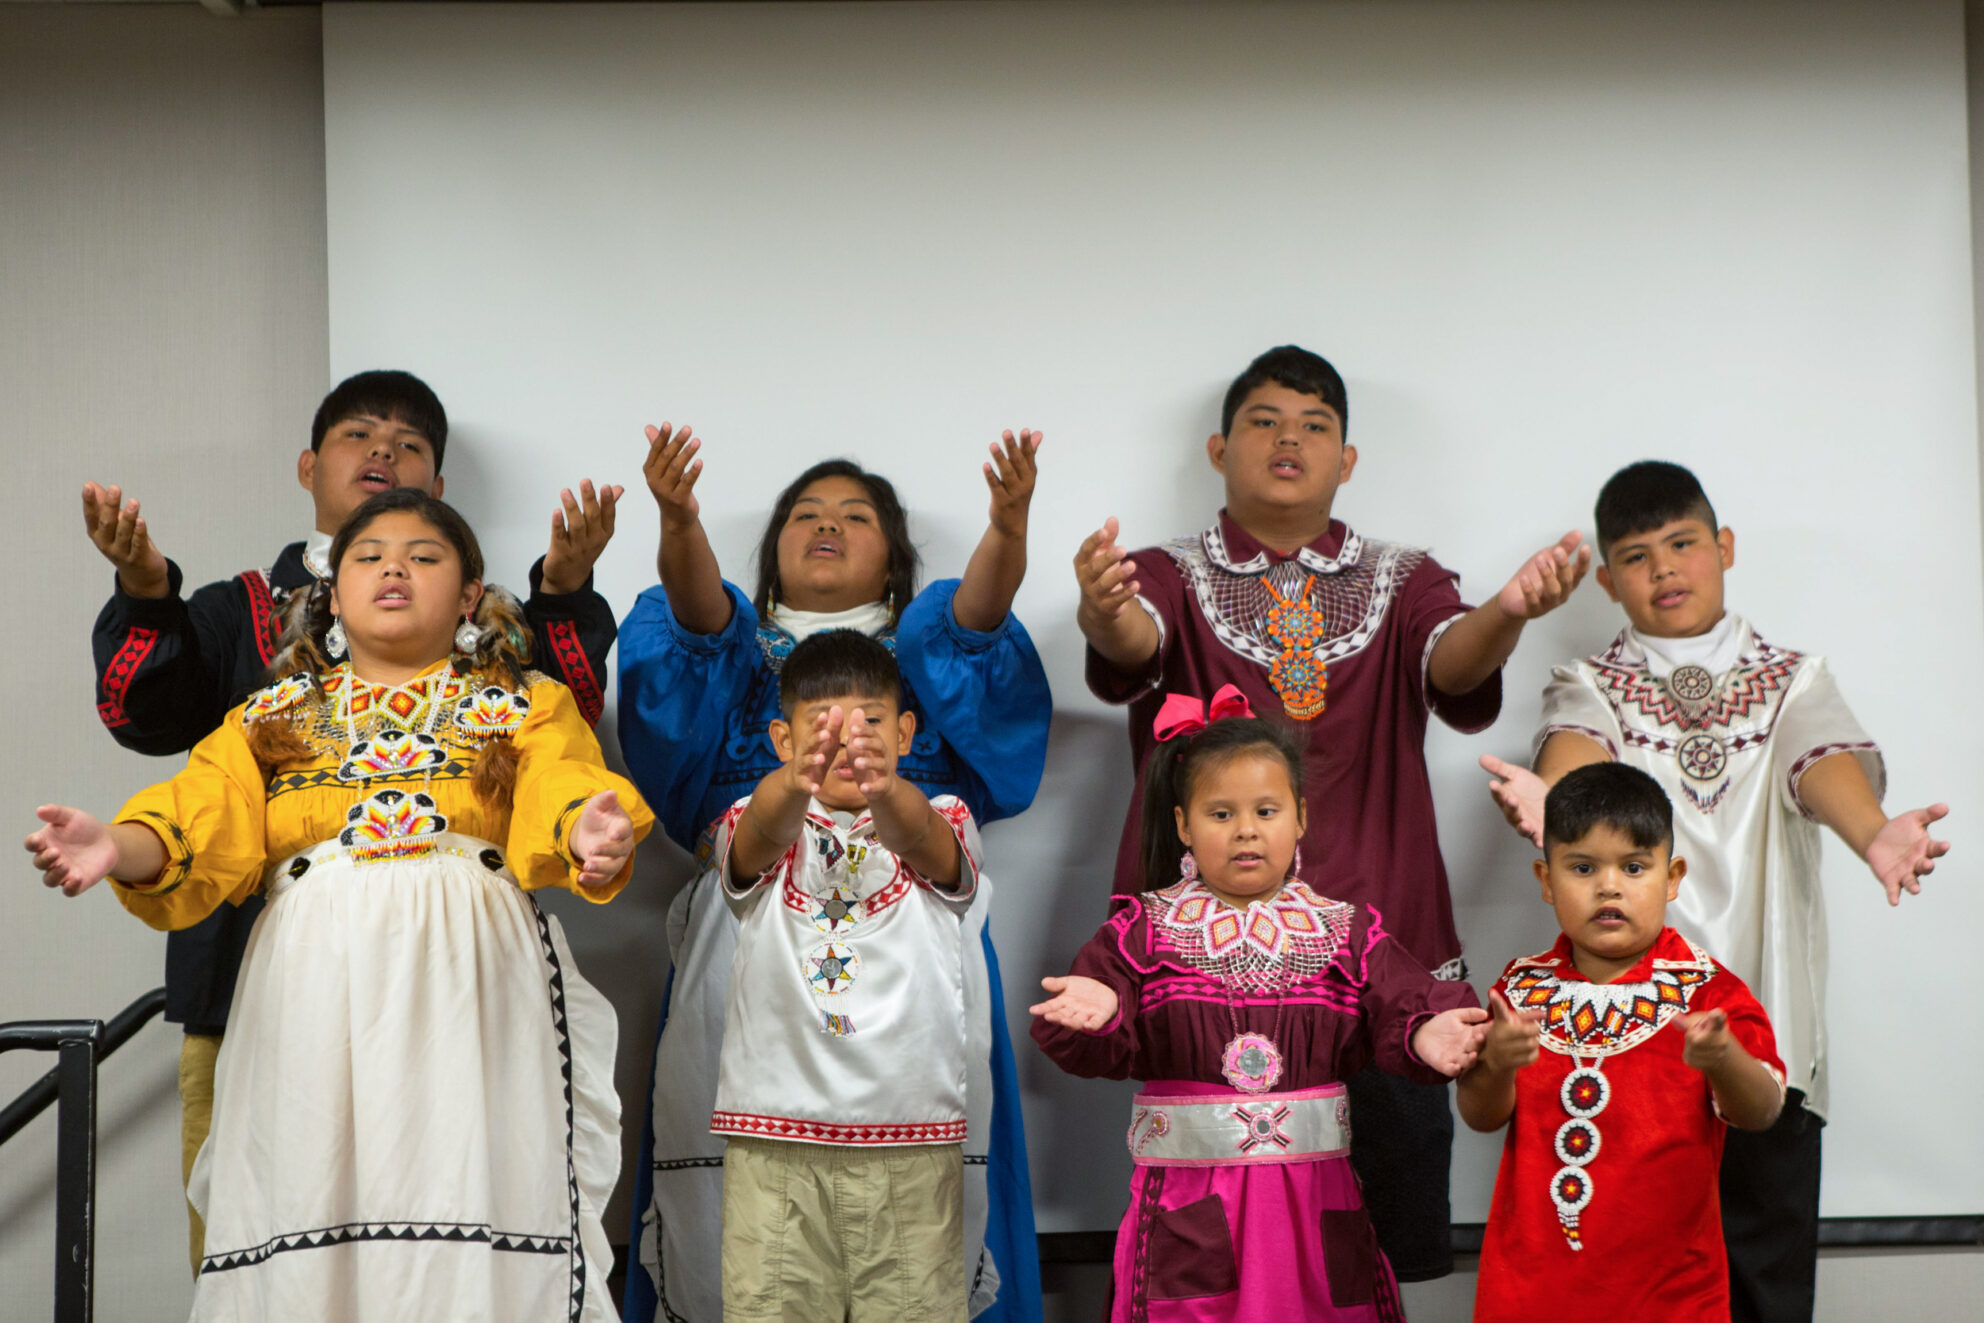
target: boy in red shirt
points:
(1619, 1055)
(1356, 642)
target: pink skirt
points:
(1249, 1242)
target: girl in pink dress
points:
(1242, 998)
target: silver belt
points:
(1221, 1129)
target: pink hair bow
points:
(1184, 715)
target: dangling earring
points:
(467, 637)
(334, 639)
(1295, 864)
(1188, 868)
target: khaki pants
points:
(819, 1233)
(196, 1113)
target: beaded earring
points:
(334, 640)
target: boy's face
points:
(1669, 579)
(892, 728)
(1610, 896)
(361, 457)
(1286, 452)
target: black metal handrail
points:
(79, 1045)
(35, 1098)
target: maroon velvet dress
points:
(1254, 1236)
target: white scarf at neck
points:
(1715, 651)
(870, 618)
(317, 553)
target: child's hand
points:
(873, 768)
(580, 530)
(1903, 851)
(1078, 1003)
(1513, 1036)
(602, 839)
(1709, 1039)
(671, 470)
(1106, 577)
(118, 531)
(808, 768)
(1451, 1040)
(1519, 793)
(1011, 476)
(1546, 579)
(74, 851)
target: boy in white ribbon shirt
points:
(841, 1085)
(1756, 748)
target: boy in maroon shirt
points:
(1356, 641)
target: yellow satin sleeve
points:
(560, 769)
(210, 818)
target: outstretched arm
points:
(905, 822)
(771, 822)
(1899, 850)
(1520, 793)
(1109, 617)
(1078, 1003)
(686, 562)
(1477, 644)
(580, 530)
(75, 851)
(1486, 1095)
(993, 575)
(1747, 1094)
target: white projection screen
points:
(1540, 240)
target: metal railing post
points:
(75, 1183)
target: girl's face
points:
(1242, 825)
(832, 553)
(400, 593)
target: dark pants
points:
(1770, 1216)
(1401, 1146)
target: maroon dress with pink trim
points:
(1256, 1236)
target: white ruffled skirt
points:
(414, 1115)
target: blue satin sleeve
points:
(986, 694)
(680, 696)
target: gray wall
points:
(163, 323)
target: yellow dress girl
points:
(414, 1114)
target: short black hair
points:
(1608, 794)
(837, 663)
(1642, 497)
(904, 562)
(1296, 368)
(385, 393)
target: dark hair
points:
(411, 500)
(837, 663)
(1296, 368)
(1641, 497)
(384, 394)
(904, 563)
(1173, 772)
(1608, 794)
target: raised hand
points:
(1450, 1041)
(1546, 579)
(602, 839)
(1519, 793)
(119, 532)
(866, 754)
(73, 850)
(671, 471)
(1106, 574)
(1709, 1040)
(1011, 476)
(1903, 851)
(808, 768)
(580, 530)
(1513, 1037)
(1078, 1002)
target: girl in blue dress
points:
(699, 664)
